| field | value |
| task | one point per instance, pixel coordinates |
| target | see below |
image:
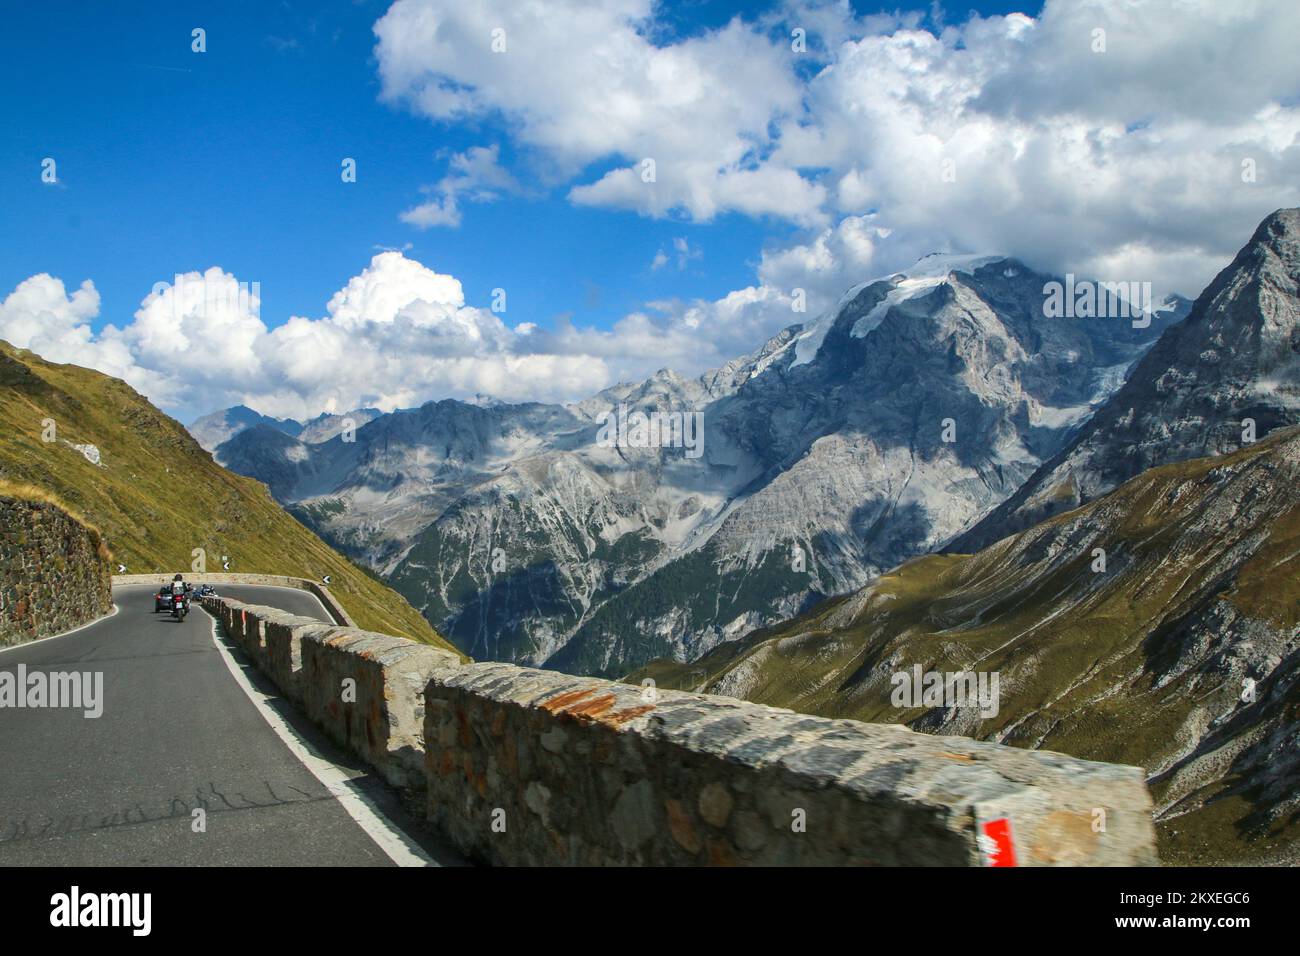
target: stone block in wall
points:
(366, 690)
(247, 629)
(529, 767)
(257, 616)
(270, 637)
(229, 615)
(232, 617)
(283, 658)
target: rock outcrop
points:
(1226, 376)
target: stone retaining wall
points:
(523, 766)
(54, 571)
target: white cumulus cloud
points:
(1101, 135)
(476, 174)
(583, 82)
(396, 335)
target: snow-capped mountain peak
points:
(926, 273)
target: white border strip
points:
(53, 637)
(399, 847)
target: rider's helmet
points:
(178, 578)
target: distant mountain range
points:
(833, 452)
(218, 428)
(1158, 624)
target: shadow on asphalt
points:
(212, 799)
(92, 658)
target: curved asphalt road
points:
(177, 733)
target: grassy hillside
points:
(24, 491)
(156, 495)
(1146, 662)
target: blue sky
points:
(173, 161)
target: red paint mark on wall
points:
(583, 706)
(996, 845)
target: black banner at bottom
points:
(339, 906)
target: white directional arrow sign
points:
(326, 579)
(121, 569)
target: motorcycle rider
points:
(180, 587)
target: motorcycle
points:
(180, 606)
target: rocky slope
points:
(1180, 653)
(372, 492)
(96, 444)
(830, 453)
(847, 429)
(1233, 365)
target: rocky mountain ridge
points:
(1231, 369)
(1153, 615)
(831, 453)
(214, 430)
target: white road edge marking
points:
(52, 637)
(400, 848)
